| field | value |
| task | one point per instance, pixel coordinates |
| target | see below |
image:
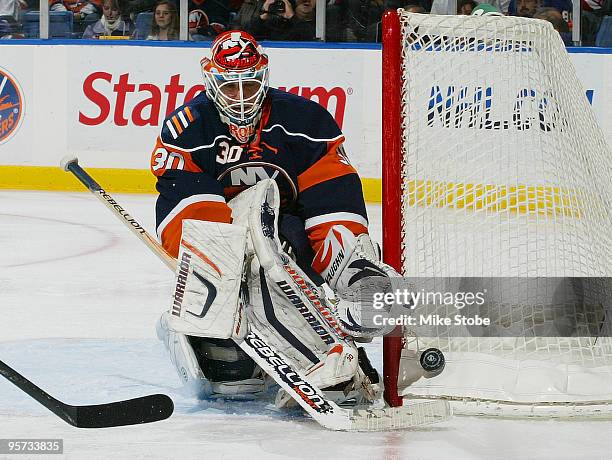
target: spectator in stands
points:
(336, 21)
(246, 14)
(111, 23)
(592, 14)
(211, 17)
(527, 8)
(6, 29)
(374, 31)
(564, 7)
(9, 18)
(199, 25)
(486, 9)
(305, 13)
(466, 7)
(414, 8)
(592, 5)
(165, 24)
(9, 29)
(85, 12)
(554, 16)
(277, 21)
(363, 16)
(10, 9)
(131, 8)
(273, 21)
(406, 4)
(442, 6)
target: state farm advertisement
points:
(121, 103)
(106, 103)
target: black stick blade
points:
(145, 409)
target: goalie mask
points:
(236, 78)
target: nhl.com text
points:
(412, 300)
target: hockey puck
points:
(432, 361)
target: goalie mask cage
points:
(494, 166)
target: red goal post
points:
(391, 181)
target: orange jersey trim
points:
(165, 157)
(206, 210)
(329, 166)
(189, 115)
(317, 234)
(177, 124)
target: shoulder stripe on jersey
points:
(183, 204)
(181, 115)
(335, 216)
(189, 115)
(171, 129)
(222, 136)
(179, 128)
(339, 136)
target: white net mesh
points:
(505, 173)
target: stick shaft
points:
(121, 213)
(33, 391)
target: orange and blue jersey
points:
(200, 166)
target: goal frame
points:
(394, 188)
(391, 184)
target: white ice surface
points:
(79, 297)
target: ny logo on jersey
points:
(244, 175)
(250, 175)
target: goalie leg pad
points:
(211, 368)
(294, 327)
(208, 279)
(283, 302)
(231, 371)
(184, 359)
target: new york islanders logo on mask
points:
(11, 106)
(236, 52)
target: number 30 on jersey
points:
(228, 154)
(162, 159)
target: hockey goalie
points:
(235, 277)
(266, 218)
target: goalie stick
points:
(312, 399)
(71, 164)
(145, 409)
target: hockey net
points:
(494, 166)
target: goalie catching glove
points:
(351, 266)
